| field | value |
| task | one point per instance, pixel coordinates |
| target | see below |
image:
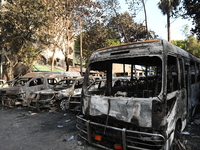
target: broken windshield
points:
(21, 82)
(135, 77)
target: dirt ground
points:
(190, 138)
(25, 129)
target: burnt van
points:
(145, 112)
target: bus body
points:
(146, 112)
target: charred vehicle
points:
(3, 87)
(2, 83)
(42, 99)
(70, 96)
(148, 112)
(35, 81)
(100, 85)
(59, 95)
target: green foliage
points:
(180, 43)
(168, 6)
(119, 29)
(113, 42)
(21, 21)
(128, 31)
(28, 54)
(191, 45)
(193, 12)
(95, 37)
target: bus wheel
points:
(176, 142)
(64, 105)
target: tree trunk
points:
(168, 22)
(67, 63)
(67, 47)
(168, 27)
(9, 71)
(53, 57)
(10, 66)
(81, 65)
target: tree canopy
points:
(28, 27)
(126, 28)
(190, 44)
(93, 38)
(167, 7)
(193, 12)
(121, 28)
(22, 24)
(26, 24)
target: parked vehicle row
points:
(125, 113)
(20, 91)
(59, 95)
(48, 90)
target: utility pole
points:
(1, 66)
(81, 49)
(1, 53)
(168, 22)
(145, 13)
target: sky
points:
(158, 22)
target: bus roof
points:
(132, 43)
(166, 47)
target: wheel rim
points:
(64, 105)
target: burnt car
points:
(42, 99)
(4, 85)
(96, 86)
(62, 90)
(18, 93)
(2, 82)
(65, 94)
(70, 97)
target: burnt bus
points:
(148, 111)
